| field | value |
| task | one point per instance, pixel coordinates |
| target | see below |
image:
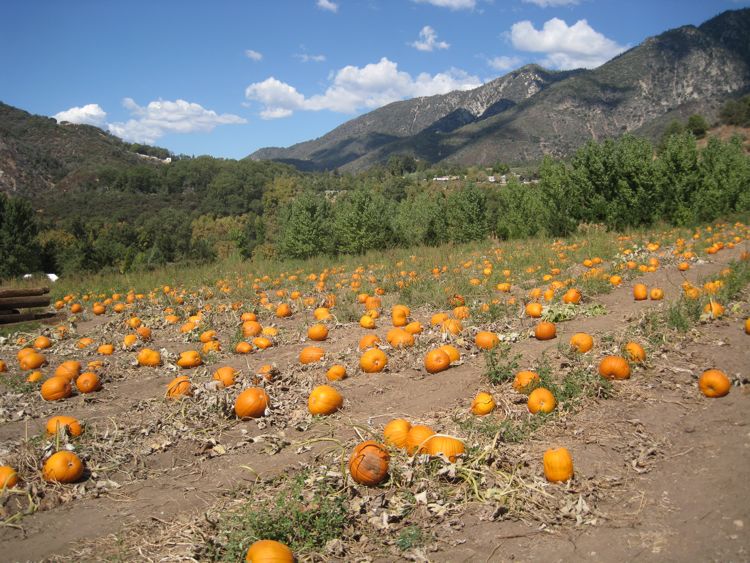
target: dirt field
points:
(661, 472)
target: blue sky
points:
(228, 77)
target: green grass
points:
(500, 364)
(410, 537)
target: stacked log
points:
(12, 301)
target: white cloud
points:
(428, 40)
(354, 88)
(551, 3)
(161, 117)
(452, 4)
(566, 47)
(504, 63)
(305, 58)
(253, 55)
(90, 114)
(328, 5)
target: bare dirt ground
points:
(662, 472)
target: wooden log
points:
(24, 302)
(24, 317)
(23, 292)
(9, 311)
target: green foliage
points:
(306, 227)
(19, 249)
(678, 173)
(420, 219)
(519, 209)
(562, 199)
(410, 537)
(361, 222)
(500, 365)
(736, 112)
(466, 214)
(697, 125)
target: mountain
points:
(533, 112)
(37, 153)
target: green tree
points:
(678, 178)
(19, 249)
(724, 171)
(517, 207)
(252, 235)
(420, 219)
(466, 214)
(697, 125)
(560, 198)
(361, 222)
(305, 227)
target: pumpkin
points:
(56, 388)
(461, 312)
(324, 400)
(3, 366)
(311, 354)
(189, 359)
(656, 294)
(438, 318)
(243, 347)
(211, 346)
(582, 342)
(32, 360)
(226, 375)
(179, 387)
(451, 326)
(8, 477)
(399, 338)
(534, 310)
(336, 372)
(640, 292)
(713, 309)
(436, 361)
(322, 314)
(414, 327)
(70, 424)
(105, 349)
(483, 404)
(251, 328)
(144, 333)
(69, 369)
(558, 465)
(747, 326)
(88, 382)
(133, 322)
(63, 467)
(283, 310)
(452, 352)
(486, 340)
(251, 403)
(34, 376)
(396, 432)
(614, 367)
(714, 383)
(448, 446)
(545, 331)
(262, 342)
(525, 381)
(267, 372)
(366, 321)
(129, 341)
(541, 400)
(572, 296)
(148, 357)
(373, 360)
(635, 352)
(76, 308)
(368, 464)
(269, 551)
(42, 342)
(318, 332)
(207, 336)
(417, 437)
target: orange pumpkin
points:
(324, 400)
(436, 361)
(88, 382)
(179, 387)
(318, 332)
(396, 432)
(572, 296)
(34, 376)
(451, 326)
(483, 404)
(243, 347)
(452, 352)
(42, 342)
(640, 292)
(525, 381)
(558, 465)
(189, 359)
(63, 467)
(635, 352)
(366, 321)
(149, 358)
(32, 360)
(283, 310)
(581, 342)
(336, 372)
(448, 446)
(486, 340)
(656, 294)
(311, 354)
(545, 331)
(262, 342)
(105, 349)
(399, 338)
(8, 477)
(226, 375)
(417, 438)
(69, 369)
(322, 314)
(144, 333)
(414, 327)
(368, 464)
(56, 388)
(373, 360)
(251, 328)
(714, 383)
(541, 400)
(614, 367)
(70, 424)
(269, 551)
(251, 403)
(534, 310)
(713, 309)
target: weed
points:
(500, 365)
(16, 383)
(410, 537)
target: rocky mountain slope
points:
(532, 112)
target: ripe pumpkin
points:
(436, 361)
(243, 347)
(42, 342)
(148, 357)
(656, 294)
(582, 342)
(747, 326)
(336, 372)
(32, 360)
(251, 328)
(262, 342)
(541, 400)
(417, 438)
(483, 404)
(324, 400)
(534, 310)
(207, 336)
(56, 388)
(396, 432)
(34, 376)
(179, 387)
(713, 309)
(283, 310)
(635, 352)
(414, 327)
(226, 375)
(438, 318)
(525, 381)
(572, 296)
(640, 292)
(373, 360)
(451, 326)
(88, 382)
(72, 426)
(317, 332)
(8, 477)
(144, 333)
(251, 403)
(269, 551)
(189, 359)
(63, 467)
(486, 340)
(558, 465)
(545, 331)
(211, 346)
(399, 338)
(366, 321)
(368, 464)
(311, 354)
(452, 352)
(69, 369)
(106, 349)
(614, 367)
(446, 445)
(714, 383)
(3, 366)
(322, 314)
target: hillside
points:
(532, 112)
(37, 153)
